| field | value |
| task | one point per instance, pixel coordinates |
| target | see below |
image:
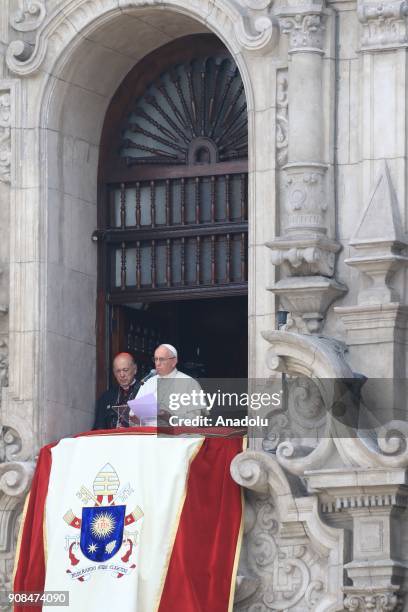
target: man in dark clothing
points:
(124, 371)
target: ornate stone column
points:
(305, 250)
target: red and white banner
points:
(126, 517)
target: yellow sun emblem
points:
(102, 525)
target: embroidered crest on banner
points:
(104, 537)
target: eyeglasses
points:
(161, 359)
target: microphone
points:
(149, 375)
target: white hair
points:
(170, 348)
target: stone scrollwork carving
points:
(288, 549)
(11, 510)
(282, 111)
(15, 479)
(5, 135)
(29, 17)
(257, 30)
(309, 258)
(4, 364)
(303, 23)
(10, 444)
(384, 24)
(15, 476)
(305, 31)
(383, 600)
(304, 249)
(297, 429)
(382, 445)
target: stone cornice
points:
(384, 24)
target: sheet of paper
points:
(144, 407)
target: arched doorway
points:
(172, 212)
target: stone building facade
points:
(326, 91)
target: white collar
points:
(172, 374)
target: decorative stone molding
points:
(302, 355)
(381, 600)
(379, 242)
(363, 500)
(15, 477)
(308, 297)
(375, 500)
(292, 559)
(282, 112)
(29, 17)
(252, 26)
(304, 252)
(384, 446)
(257, 30)
(304, 198)
(303, 415)
(5, 135)
(305, 256)
(384, 24)
(4, 364)
(374, 323)
(323, 361)
(344, 489)
(303, 23)
(11, 509)
(305, 32)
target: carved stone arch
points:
(242, 28)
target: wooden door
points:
(172, 210)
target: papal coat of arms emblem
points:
(104, 533)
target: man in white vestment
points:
(170, 382)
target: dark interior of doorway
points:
(211, 335)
